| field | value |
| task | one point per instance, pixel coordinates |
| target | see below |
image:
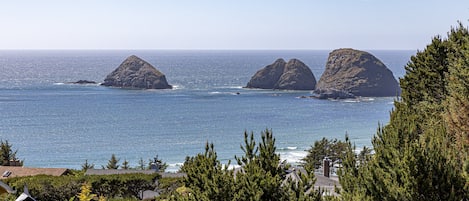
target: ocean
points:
(55, 124)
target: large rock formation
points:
(357, 73)
(294, 75)
(136, 73)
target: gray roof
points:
(7, 188)
(117, 171)
(122, 171)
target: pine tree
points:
(141, 164)
(415, 157)
(261, 176)
(125, 164)
(457, 104)
(207, 177)
(113, 163)
(158, 163)
(86, 166)
(332, 149)
(7, 154)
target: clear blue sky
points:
(226, 24)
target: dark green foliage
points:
(113, 163)
(457, 103)
(352, 177)
(141, 164)
(207, 177)
(128, 186)
(167, 187)
(261, 176)
(420, 155)
(125, 165)
(64, 187)
(333, 149)
(158, 164)
(302, 190)
(85, 166)
(6, 153)
(425, 74)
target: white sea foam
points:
(229, 87)
(59, 83)
(223, 93)
(367, 99)
(351, 101)
(177, 87)
(174, 167)
(293, 157)
(232, 166)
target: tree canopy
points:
(420, 154)
(260, 175)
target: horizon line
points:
(195, 49)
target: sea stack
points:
(294, 75)
(352, 73)
(135, 73)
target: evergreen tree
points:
(7, 154)
(141, 164)
(302, 189)
(332, 149)
(207, 178)
(158, 164)
(261, 176)
(352, 175)
(86, 166)
(125, 165)
(113, 163)
(416, 157)
(457, 104)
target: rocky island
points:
(294, 75)
(135, 73)
(83, 82)
(351, 73)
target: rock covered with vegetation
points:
(358, 73)
(136, 73)
(294, 75)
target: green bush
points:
(124, 186)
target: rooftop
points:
(19, 171)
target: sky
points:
(227, 24)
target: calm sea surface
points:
(54, 124)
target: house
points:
(19, 171)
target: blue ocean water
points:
(55, 124)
